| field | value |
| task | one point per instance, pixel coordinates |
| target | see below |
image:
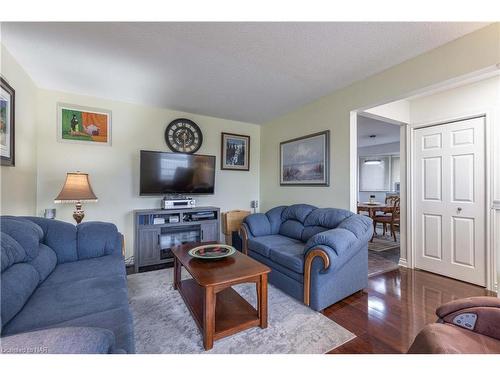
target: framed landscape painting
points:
(304, 161)
(7, 123)
(235, 152)
(83, 124)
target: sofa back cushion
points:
(18, 283)
(11, 252)
(59, 236)
(96, 239)
(274, 217)
(323, 219)
(293, 218)
(259, 224)
(45, 262)
(24, 232)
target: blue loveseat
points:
(63, 288)
(317, 255)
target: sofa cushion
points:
(308, 232)
(292, 228)
(17, 284)
(59, 236)
(11, 252)
(276, 266)
(327, 217)
(259, 224)
(297, 212)
(45, 262)
(95, 239)
(25, 232)
(290, 256)
(274, 216)
(87, 269)
(263, 244)
(119, 320)
(55, 303)
(67, 340)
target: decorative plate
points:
(372, 204)
(216, 251)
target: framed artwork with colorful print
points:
(83, 124)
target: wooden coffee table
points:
(217, 309)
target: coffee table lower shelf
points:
(232, 312)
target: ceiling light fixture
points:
(373, 162)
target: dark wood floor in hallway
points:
(387, 315)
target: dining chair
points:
(390, 218)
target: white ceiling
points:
(251, 72)
(384, 132)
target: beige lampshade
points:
(76, 188)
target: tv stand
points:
(158, 231)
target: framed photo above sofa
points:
(7, 123)
(235, 152)
(304, 161)
(83, 124)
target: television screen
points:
(172, 173)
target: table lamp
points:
(76, 190)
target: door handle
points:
(202, 234)
(459, 209)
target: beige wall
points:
(18, 183)
(114, 171)
(473, 52)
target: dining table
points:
(373, 208)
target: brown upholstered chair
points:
(465, 326)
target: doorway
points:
(379, 187)
(448, 104)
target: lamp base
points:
(78, 213)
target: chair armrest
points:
(483, 315)
(258, 224)
(95, 239)
(67, 340)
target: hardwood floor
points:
(387, 315)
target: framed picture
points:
(304, 161)
(83, 124)
(7, 123)
(235, 152)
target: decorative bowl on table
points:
(217, 251)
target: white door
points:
(449, 200)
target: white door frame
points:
(491, 274)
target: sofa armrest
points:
(95, 239)
(258, 224)
(483, 315)
(67, 340)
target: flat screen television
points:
(168, 173)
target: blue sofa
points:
(317, 255)
(63, 288)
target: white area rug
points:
(163, 323)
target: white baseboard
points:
(403, 263)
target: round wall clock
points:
(183, 135)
